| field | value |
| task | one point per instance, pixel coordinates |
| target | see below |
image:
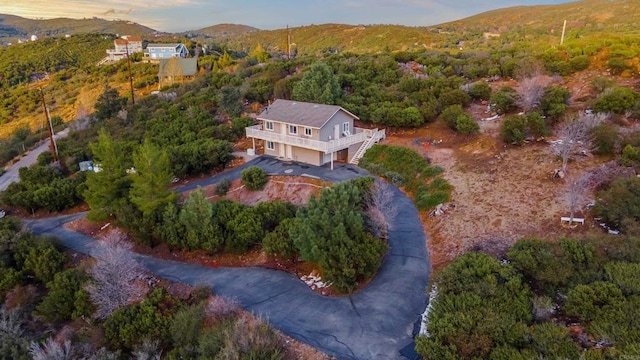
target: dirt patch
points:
(294, 189)
(501, 192)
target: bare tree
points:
(51, 350)
(114, 275)
(574, 134)
(531, 90)
(380, 209)
(577, 193)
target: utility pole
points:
(288, 43)
(54, 147)
(126, 44)
(564, 27)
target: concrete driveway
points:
(375, 323)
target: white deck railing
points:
(324, 146)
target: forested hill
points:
(13, 27)
(527, 26)
(524, 26)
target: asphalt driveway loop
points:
(375, 323)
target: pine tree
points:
(107, 188)
(196, 217)
(331, 233)
(318, 84)
(151, 180)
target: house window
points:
(345, 129)
(271, 145)
(293, 129)
(307, 131)
(268, 125)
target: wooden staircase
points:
(376, 135)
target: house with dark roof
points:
(165, 51)
(176, 69)
(316, 134)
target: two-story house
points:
(122, 46)
(165, 51)
(316, 134)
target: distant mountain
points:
(221, 32)
(13, 27)
(587, 21)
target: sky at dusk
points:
(183, 15)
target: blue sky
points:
(183, 15)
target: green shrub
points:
(601, 83)
(413, 168)
(630, 155)
(480, 304)
(604, 138)
(555, 102)
(579, 63)
(65, 292)
(222, 187)
(616, 100)
(453, 97)
(39, 257)
(428, 200)
(279, 242)
(480, 91)
(466, 125)
(504, 100)
(394, 177)
(450, 115)
(254, 178)
(536, 124)
(619, 202)
(186, 326)
(244, 231)
(513, 129)
(129, 325)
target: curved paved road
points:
(375, 323)
(29, 159)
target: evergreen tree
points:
(107, 189)
(196, 217)
(318, 84)
(151, 180)
(109, 103)
(331, 233)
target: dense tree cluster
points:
(44, 187)
(40, 292)
(518, 308)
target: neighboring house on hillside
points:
(130, 44)
(165, 51)
(176, 69)
(316, 134)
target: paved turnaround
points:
(374, 323)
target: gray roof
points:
(188, 67)
(172, 45)
(301, 113)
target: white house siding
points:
(307, 156)
(338, 119)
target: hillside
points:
(221, 32)
(13, 27)
(315, 39)
(543, 23)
